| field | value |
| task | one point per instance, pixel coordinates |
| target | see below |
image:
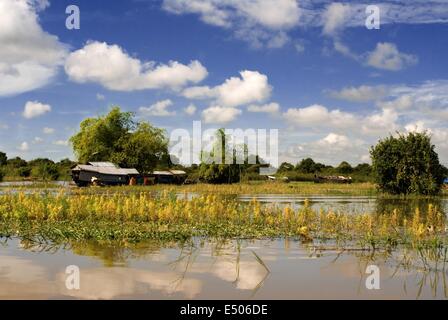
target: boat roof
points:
(103, 164)
(162, 173)
(106, 170)
(175, 172)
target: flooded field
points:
(262, 269)
(347, 204)
(284, 267)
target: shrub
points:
(407, 164)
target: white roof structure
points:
(103, 164)
(162, 173)
(109, 168)
(169, 173)
(178, 172)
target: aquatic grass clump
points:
(167, 216)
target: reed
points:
(135, 217)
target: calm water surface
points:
(262, 269)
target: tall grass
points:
(138, 216)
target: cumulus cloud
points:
(35, 109)
(29, 56)
(330, 149)
(401, 103)
(319, 116)
(386, 56)
(266, 108)
(381, 123)
(260, 22)
(113, 68)
(48, 130)
(24, 147)
(100, 97)
(190, 110)
(335, 17)
(360, 94)
(158, 109)
(251, 87)
(220, 115)
(38, 140)
(60, 143)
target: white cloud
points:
(319, 116)
(251, 87)
(158, 109)
(24, 147)
(190, 110)
(29, 56)
(260, 22)
(418, 126)
(60, 143)
(267, 108)
(387, 57)
(217, 114)
(35, 109)
(47, 130)
(335, 17)
(360, 94)
(334, 140)
(37, 140)
(273, 14)
(383, 123)
(331, 149)
(113, 68)
(300, 46)
(100, 97)
(401, 103)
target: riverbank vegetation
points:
(132, 218)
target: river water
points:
(202, 269)
(236, 269)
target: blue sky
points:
(308, 68)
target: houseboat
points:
(102, 173)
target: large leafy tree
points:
(309, 166)
(407, 164)
(118, 138)
(344, 168)
(214, 169)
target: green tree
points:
(3, 158)
(118, 138)
(363, 169)
(144, 149)
(98, 137)
(407, 164)
(24, 172)
(344, 168)
(16, 162)
(285, 167)
(306, 166)
(44, 169)
(214, 169)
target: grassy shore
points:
(139, 216)
(248, 188)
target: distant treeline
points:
(46, 169)
(37, 169)
(307, 169)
